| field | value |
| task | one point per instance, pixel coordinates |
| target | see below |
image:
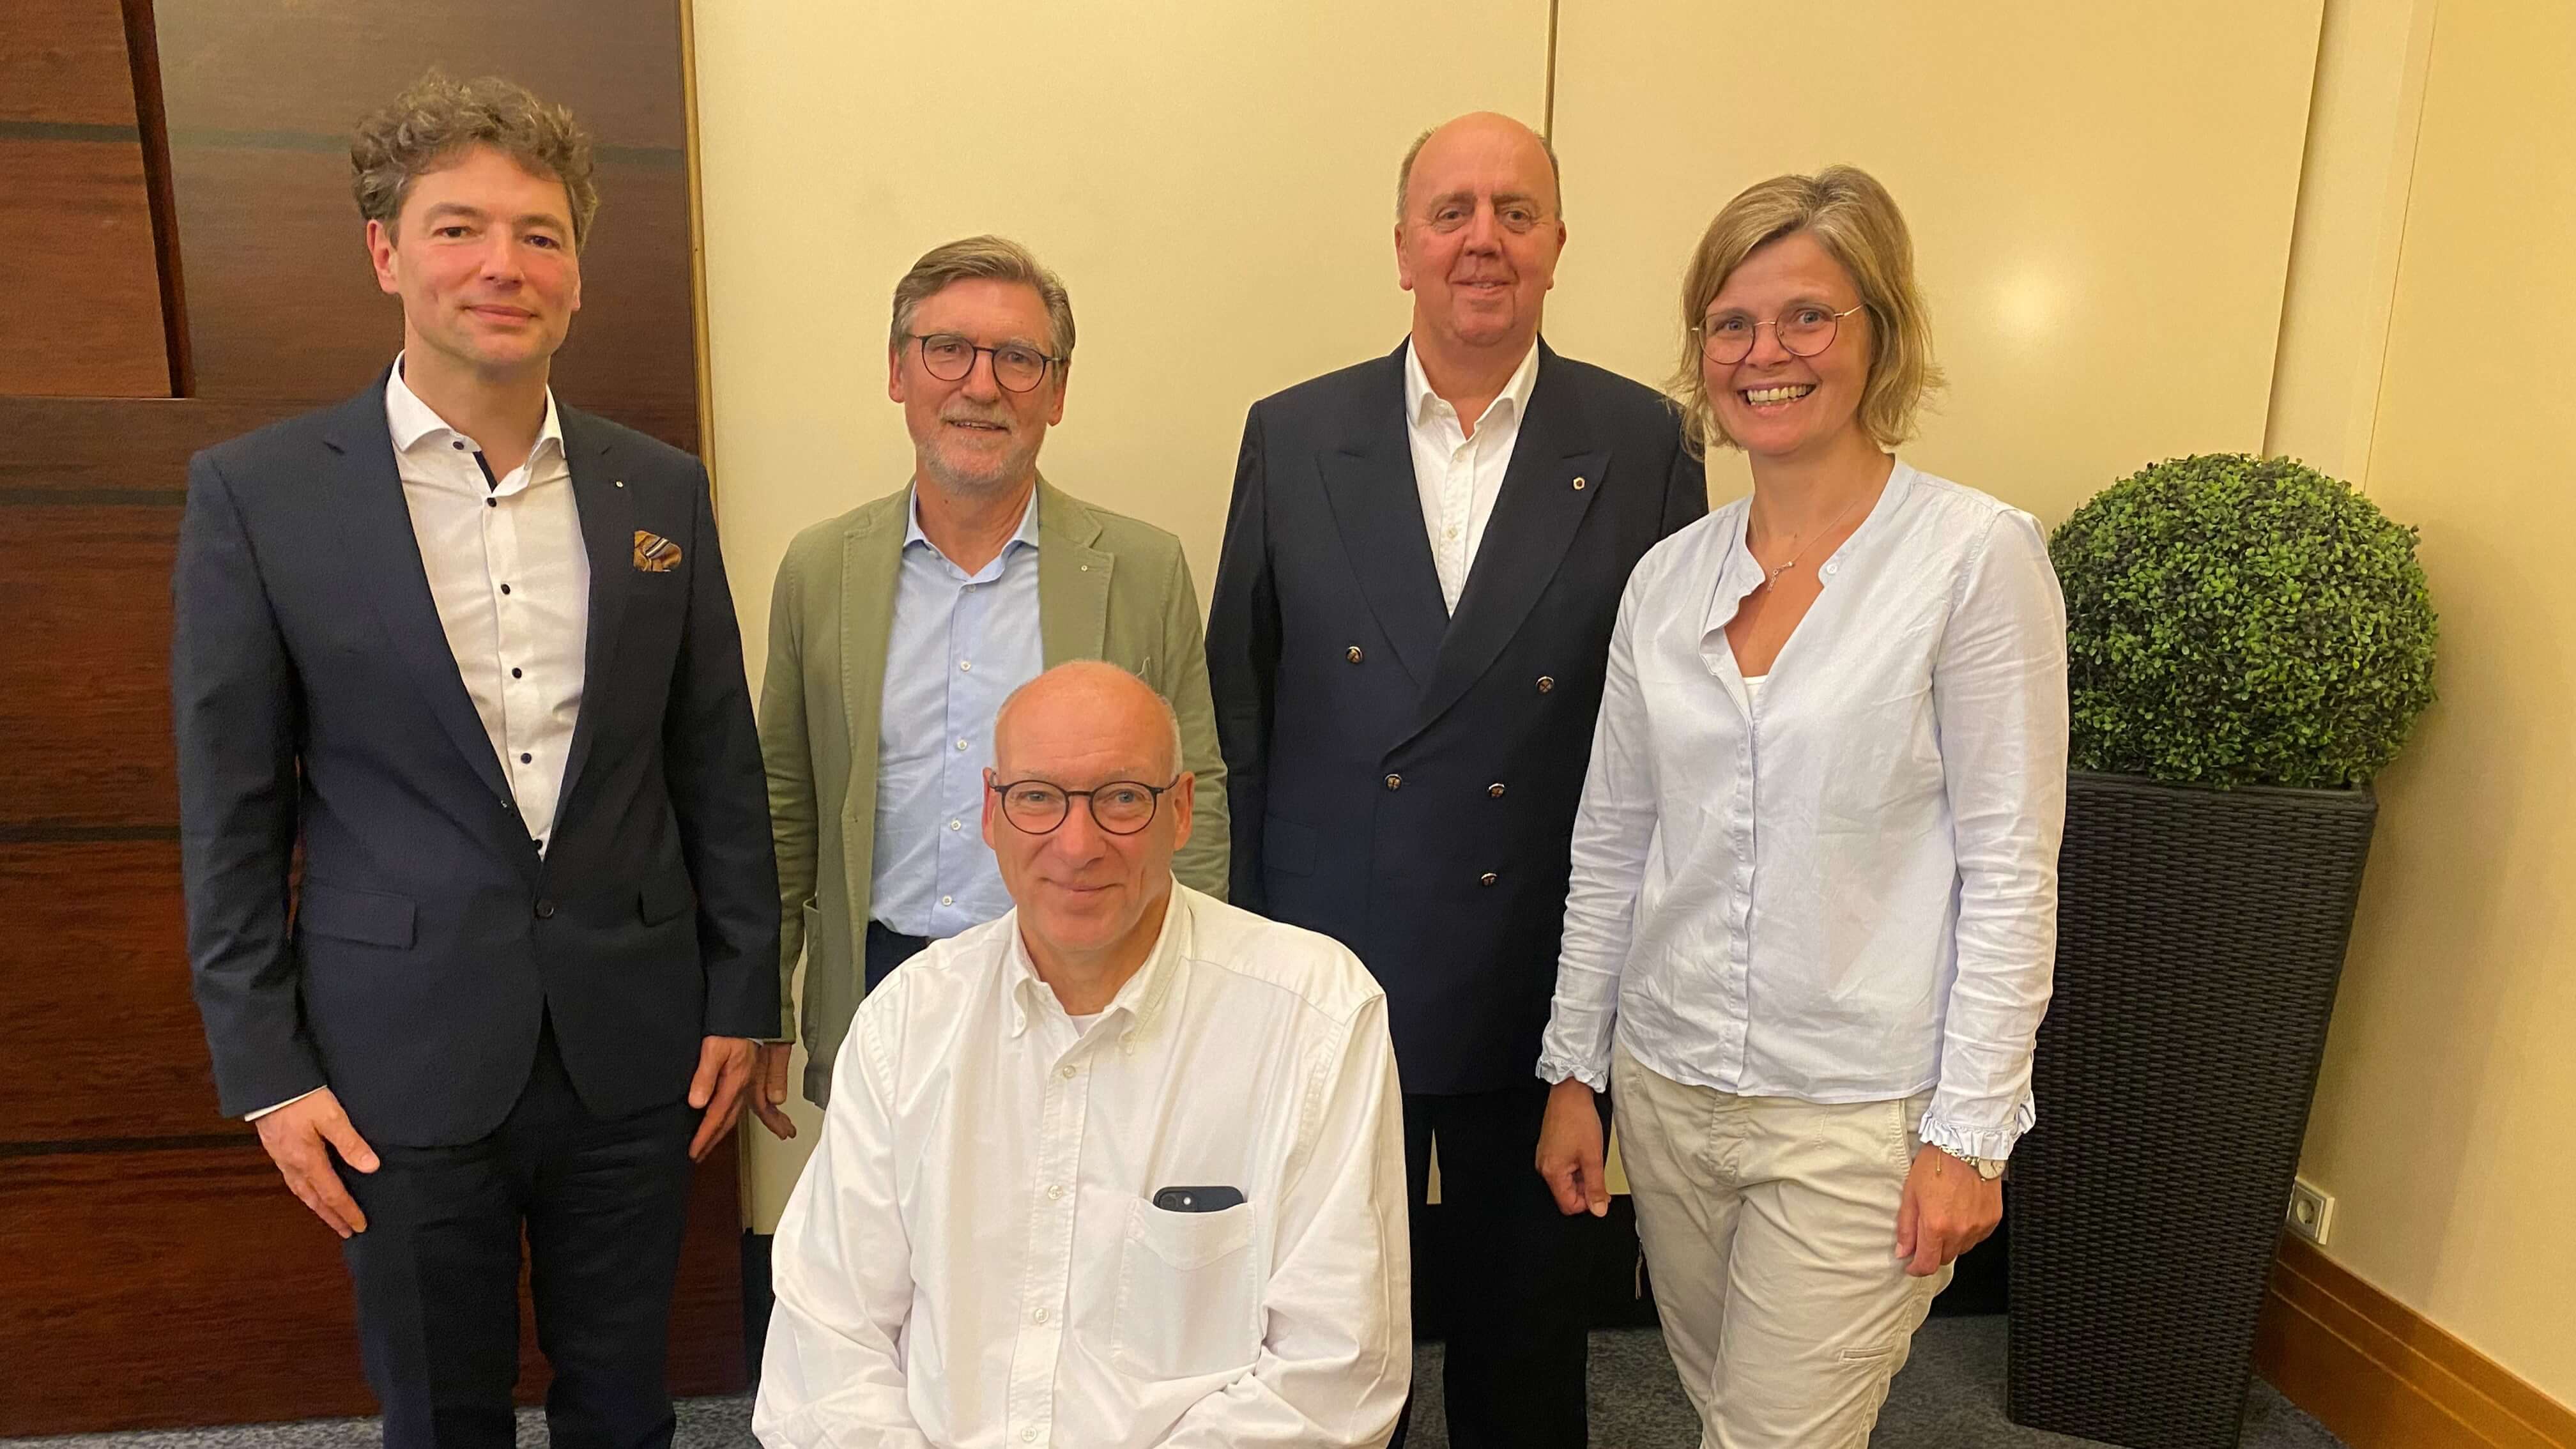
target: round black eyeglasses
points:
(1121, 807)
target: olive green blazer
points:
(1109, 587)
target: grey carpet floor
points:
(1950, 1396)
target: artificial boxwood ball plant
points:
(2234, 620)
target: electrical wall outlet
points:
(2311, 1211)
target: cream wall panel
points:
(2101, 198)
(1215, 183)
(2443, 1118)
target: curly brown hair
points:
(436, 117)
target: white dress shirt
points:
(973, 1260)
(1461, 476)
(511, 577)
(1850, 893)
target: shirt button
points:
(1029, 1436)
(966, 666)
(1395, 782)
(514, 674)
(505, 588)
(1065, 1072)
(953, 825)
(961, 744)
(458, 446)
(1056, 1193)
(948, 900)
(1038, 1317)
(491, 502)
(526, 759)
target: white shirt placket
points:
(1064, 1105)
(511, 639)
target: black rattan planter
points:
(2200, 937)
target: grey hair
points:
(1171, 716)
(1412, 153)
(993, 258)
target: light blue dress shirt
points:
(1844, 888)
(960, 644)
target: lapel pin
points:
(621, 482)
(1578, 485)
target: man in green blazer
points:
(898, 628)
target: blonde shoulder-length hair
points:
(1852, 216)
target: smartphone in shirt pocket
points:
(1188, 1298)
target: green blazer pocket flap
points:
(372, 917)
(664, 897)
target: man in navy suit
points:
(1412, 616)
(475, 654)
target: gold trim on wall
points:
(697, 241)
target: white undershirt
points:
(1461, 476)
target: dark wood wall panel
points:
(149, 1289)
(281, 301)
(63, 62)
(97, 989)
(81, 310)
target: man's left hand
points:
(1947, 1210)
(724, 1075)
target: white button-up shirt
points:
(974, 1257)
(1461, 476)
(1850, 893)
(511, 577)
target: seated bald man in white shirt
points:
(1122, 1168)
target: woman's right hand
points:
(1569, 1150)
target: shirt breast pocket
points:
(1187, 1303)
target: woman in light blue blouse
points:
(1814, 903)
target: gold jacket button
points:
(1488, 878)
(1578, 485)
(1354, 655)
(1545, 683)
(1495, 789)
(1395, 782)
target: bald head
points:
(1089, 707)
(1478, 132)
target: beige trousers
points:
(1770, 1230)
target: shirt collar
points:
(1143, 996)
(1740, 573)
(1026, 533)
(1418, 396)
(411, 421)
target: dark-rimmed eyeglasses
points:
(949, 357)
(1803, 332)
(1121, 807)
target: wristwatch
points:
(1988, 1168)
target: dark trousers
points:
(1506, 1269)
(888, 949)
(602, 1204)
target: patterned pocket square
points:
(655, 554)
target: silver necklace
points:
(1771, 576)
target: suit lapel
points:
(871, 565)
(1073, 580)
(607, 509)
(1555, 473)
(1377, 508)
(384, 555)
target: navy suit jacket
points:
(1401, 779)
(317, 703)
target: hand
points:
(1569, 1150)
(296, 1136)
(724, 1073)
(1947, 1210)
(769, 1090)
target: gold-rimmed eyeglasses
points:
(1804, 331)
